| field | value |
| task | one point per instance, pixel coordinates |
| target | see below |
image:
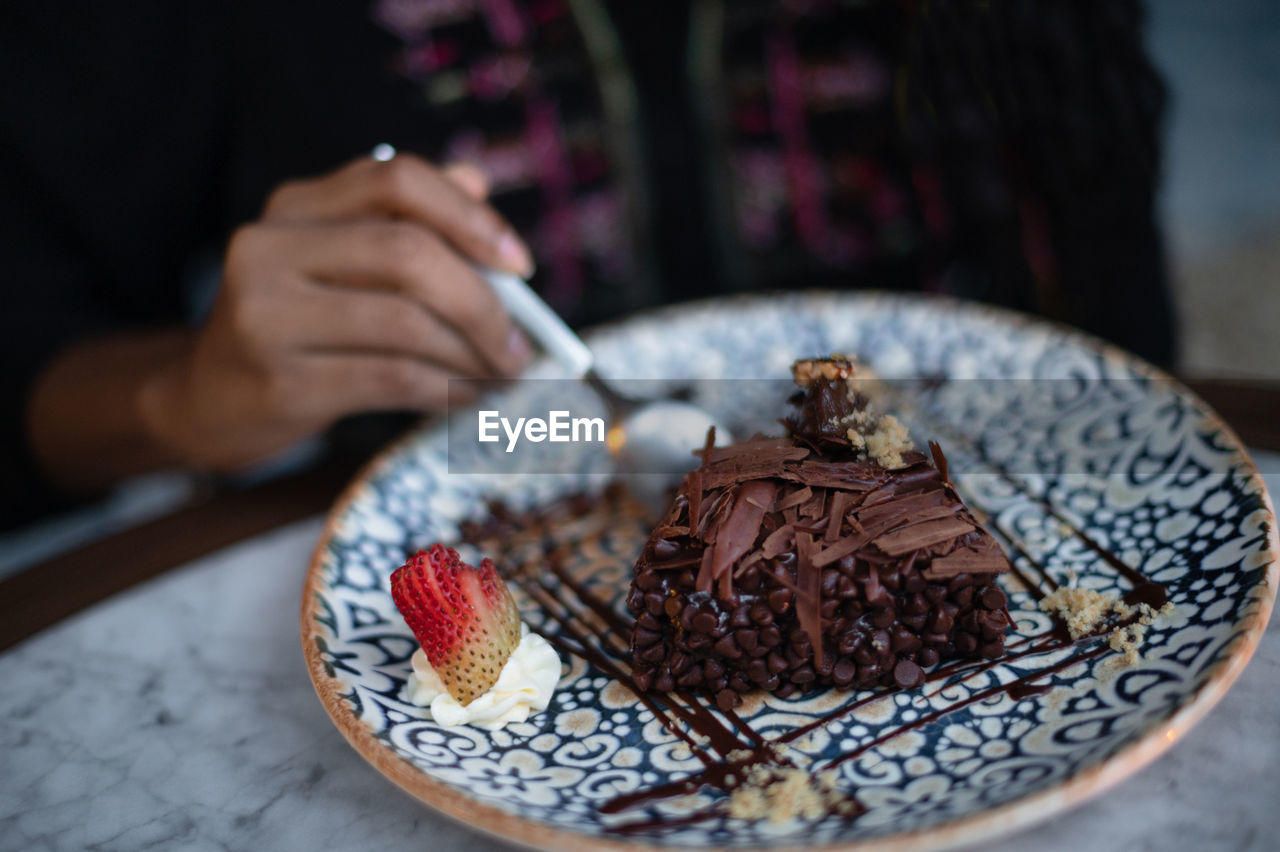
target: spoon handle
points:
(543, 324)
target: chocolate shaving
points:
(795, 498)
(967, 560)
(778, 541)
(939, 460)
(758, 448)
(853, 476)
(808, 594)
(737, 534)
(835, 517)
(915, 536)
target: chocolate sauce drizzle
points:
(532, 550)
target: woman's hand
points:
(355, 291)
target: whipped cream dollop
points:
(524, 687)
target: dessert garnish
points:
(478, 664)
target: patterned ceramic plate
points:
(1058, 439)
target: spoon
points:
(643, 435)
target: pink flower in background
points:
(411, 19)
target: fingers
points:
(337, 320)
(361, 382)
(410, 260)
(469, 179)
(271, 267)
(450, 204)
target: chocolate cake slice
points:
(837, 555)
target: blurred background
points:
(1221, 198)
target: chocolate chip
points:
(843, 673)
(830, 582)
(635, 599)
(850, 641)
(880, 643)
(927, 657)
(664, 682)
(741, 616)
(747, 639)
(678, 662)
(916, 605)
(648, 622)
(643, 678)
(771, 636)
(991, 650)
(829, 608)
(761, 614)
(727, 699)
(653, 603)
(907, 674)
(779, 600)
(758, 671)
(698, 641)
(671, 606)
(785, 690)
(966, 643)
(654, 653)
(712, 669)
(883, 617)
(649, 581)
(903, 640)
(941, 623)
(993, 625)
(964, 597)
(665, 548)
(994, 598)
(644, 638)
(727, 648)
(776, 662)
(692, 677)
(805, 674)
(915, 622)
(705, 622)
(846, 589)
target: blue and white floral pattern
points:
(1112, 445)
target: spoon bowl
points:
(645, 436)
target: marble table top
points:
(179, 715)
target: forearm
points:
(86, 421)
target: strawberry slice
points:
(464, 618)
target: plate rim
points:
(986, 824)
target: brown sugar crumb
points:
(888, 442)
(1083, 610)
(1086, 611)
(1127, 639)
(780, 793)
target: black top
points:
(1002, 151)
